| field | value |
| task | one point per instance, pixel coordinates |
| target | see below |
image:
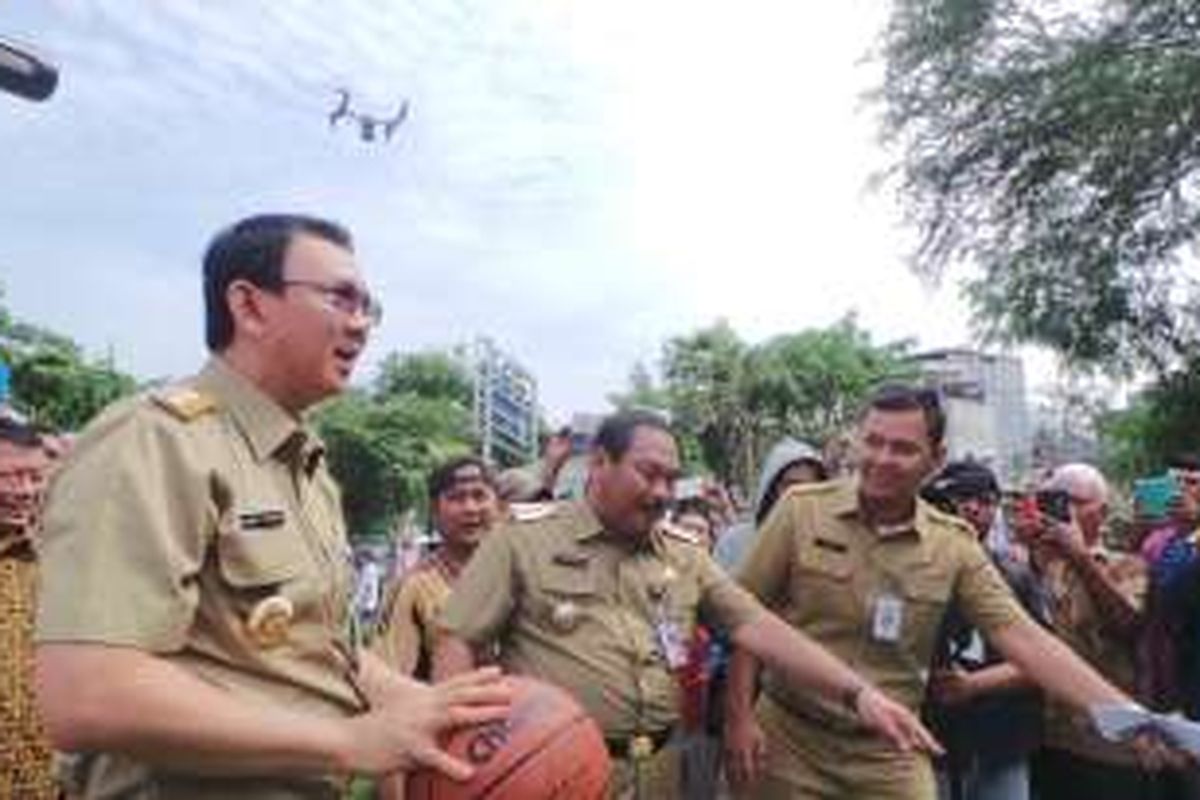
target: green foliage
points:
(704, 376)
(427, 374)
(729, 401)
(1057, 151)
(812, 383)
(382, 443)
(1159, 424)
(52, 381)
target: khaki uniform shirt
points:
(578, 606)
(408, 627)
(1077, 621)
(876, 601)
(200, 524)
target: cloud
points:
(578, 180)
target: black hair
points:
(20, 434)
(901, 397)
(445, 475)
(961, 480)
(253, 250)
(616, 431)
(1186, 462)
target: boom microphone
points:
(24, 74)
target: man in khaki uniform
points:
(598, 597)
(194, 630)
(867, 568)
(464, 507)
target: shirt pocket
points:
(566, 597)
(926, 598)
(822, 591)
(260, 559)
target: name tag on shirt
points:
(670, 641)
(260, 519)
(973, 652)
(887, 618)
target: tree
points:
(1159, 423)
(729, 401)
(1057, 151)
(813, 383)
(52, 380)
(383, 441)
(427, 374)
(704, 376)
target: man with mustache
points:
(195, 634)
(599, 597)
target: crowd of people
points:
(178, 616)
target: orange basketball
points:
(548, 748)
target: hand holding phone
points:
(1055, 504)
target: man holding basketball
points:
(194, 635)
(600, 598)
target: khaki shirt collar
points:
(845, 503)
(588, 526)
(268, 428)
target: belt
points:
(637, 746)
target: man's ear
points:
(246, 309)
(939, 456)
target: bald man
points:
(1095, 603)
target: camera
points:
(1055, 504)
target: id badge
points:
(670, 643)
(887, 618)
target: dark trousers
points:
(1059, 775)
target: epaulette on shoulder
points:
(185, 403)
(673, 531)
(531, 512)
(813, 489)
(959, 524)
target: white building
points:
(987, 413)
(505, 404)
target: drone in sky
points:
(368, 126)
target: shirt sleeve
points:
(764, 571)
(483, 598)
(722, 599)
(126, 529)
(982, 593)
(399, 640)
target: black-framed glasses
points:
(345, 297)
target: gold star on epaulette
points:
(186, 403)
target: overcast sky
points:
(577, 180)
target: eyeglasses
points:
(346, 298)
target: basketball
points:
(547, 748)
